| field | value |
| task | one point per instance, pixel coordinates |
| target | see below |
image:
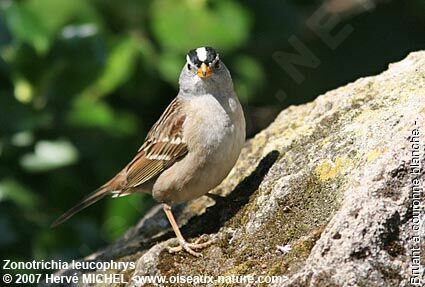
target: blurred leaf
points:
(114, 226)
(22, 139)
(80, 31)
(24, 92)
(119, 67)
(249, 78)
(148, 54)
(17, 193)
(170, 66)
(76, 64)
(15, 117)
(49, 155)
(26, 26)
(54, 14)
(92, 113)
(121, 213)
(183, 25)
(37, 21)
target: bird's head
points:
(204, 61)
(204, 70)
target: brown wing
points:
(163, 146)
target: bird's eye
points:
(217, 64)
(188, 66)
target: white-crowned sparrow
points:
(190, 149)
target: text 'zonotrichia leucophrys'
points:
(190, 149)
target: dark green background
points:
(81, 82)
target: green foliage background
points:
(82, 81)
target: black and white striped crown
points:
(201, 55)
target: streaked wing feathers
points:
(163, 147)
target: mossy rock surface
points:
(331, 179)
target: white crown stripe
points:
(202, 54)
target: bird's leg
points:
(183, 244)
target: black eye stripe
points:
(193, 56)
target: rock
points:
(323, 195)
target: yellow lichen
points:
(373, 154)
(329, 170)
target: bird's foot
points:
(190, 247)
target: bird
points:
(189, 150)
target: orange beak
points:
(204, 71)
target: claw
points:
(189, 247)
(183, 244)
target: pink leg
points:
(183, 244)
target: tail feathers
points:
(89, 200)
